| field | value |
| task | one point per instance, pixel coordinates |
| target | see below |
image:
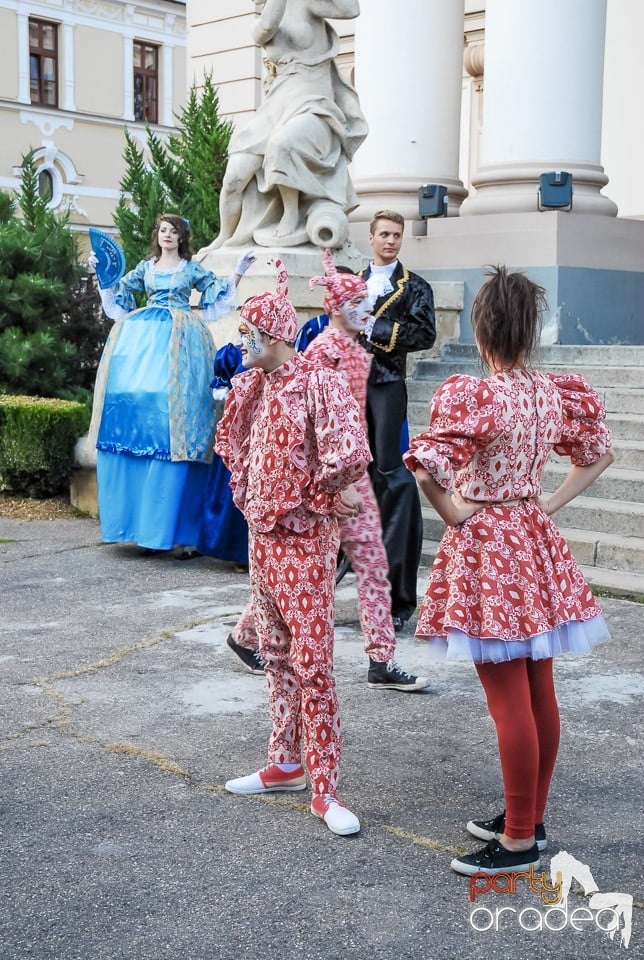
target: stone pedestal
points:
(83, 492)
(592, 268)
(301, 262)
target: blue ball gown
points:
(153, 408)
(223, 532)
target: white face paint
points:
(355, 313)
(253, 344)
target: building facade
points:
(483, 98)
(73, 75)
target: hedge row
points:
(37, 440)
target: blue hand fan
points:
(111, 259)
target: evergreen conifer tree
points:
(51, 330)
(141, 201)
(183, 175)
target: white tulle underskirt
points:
(574, 637)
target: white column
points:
(542, 104)
(68, 67)
(167, 80)
(408, 74)
(24, 93)
(128, 78)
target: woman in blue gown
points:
(153, 415)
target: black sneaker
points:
(249, 659)
(389, 676)
(343, 567)
(494, 858)
(399, 624)
(492, 830)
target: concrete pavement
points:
(123, 713)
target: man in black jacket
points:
(403, 321)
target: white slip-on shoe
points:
(268, 780)
(337, 817)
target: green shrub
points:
(51, 328)
(37, 439)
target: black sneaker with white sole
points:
(389, 676)
(494, 858)
(492, 830)
(250, 660)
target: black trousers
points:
(396, 492)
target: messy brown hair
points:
(183, 229)
(506, 317)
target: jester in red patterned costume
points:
(347, 305)
(293, 439)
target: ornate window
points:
(43, 62)
(146, 82)
(46, 184)
(57, 177)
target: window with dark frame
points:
(146, 82)
(43, 62)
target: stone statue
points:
(287, 180)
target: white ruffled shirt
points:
(379, 280)
(378, 284)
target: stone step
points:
(626, 426)
(617, 518)
(600, 376)
(620, 555)
(616, 400)
(567, 354)
(615, 582)
(603, 580)
(629, 454)
(616, 483)
(622, 518)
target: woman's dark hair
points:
(506, 317)
(183, 229)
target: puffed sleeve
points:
(342, 445)
(133, 282)
(463, 419)
(226, 362)
(232, 440)
(218, 297)
(584, 437)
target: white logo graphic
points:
(564, 867)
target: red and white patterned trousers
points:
(361, 540)
(293, 593)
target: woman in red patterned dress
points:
(505, 591)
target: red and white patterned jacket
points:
(293, 439)
(336, 349)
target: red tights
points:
(522, 702)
